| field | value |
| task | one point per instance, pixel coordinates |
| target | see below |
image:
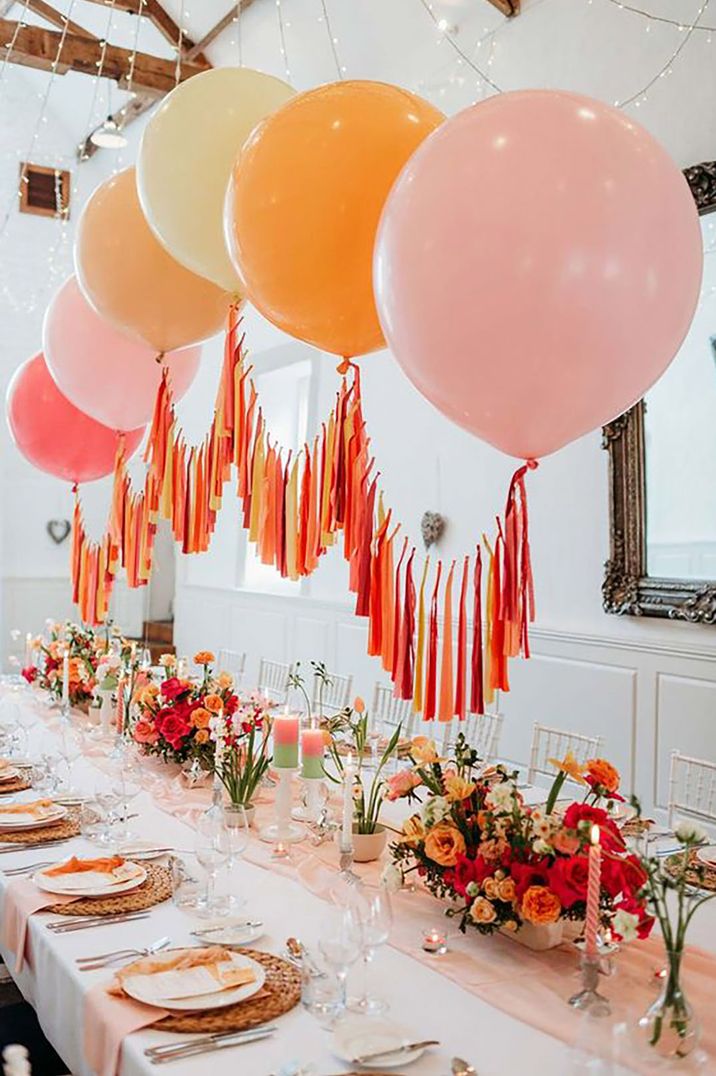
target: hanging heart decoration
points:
(58, 530)
(432, 526)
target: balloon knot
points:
(344, 366)
(532, 464)
(75, 487)
(160, 357)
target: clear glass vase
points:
(670, 1027)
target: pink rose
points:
(402, 784)
(145, 732)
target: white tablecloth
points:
(420, 998)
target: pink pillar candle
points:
(312, 753)
(285, 742)
(594, 883)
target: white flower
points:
(690, 833)
(434, 810)
(625, 924)
(392, 878)
(501, 796)
(541, 847)
(472, 889)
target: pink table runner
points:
(107, 1022)
(22, 898)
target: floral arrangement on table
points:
(85, 649)
(240, 742)
(501, 863)
(675, 887)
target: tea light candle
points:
(280, 851)
(285, 742)
(594, 882)
(434, 941)
(312, 753)
(347, 820)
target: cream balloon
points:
(185, 160)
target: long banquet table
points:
(422, 994)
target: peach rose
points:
(482, 911)
(167, 661)
(457, 788)
(506, 890)
(565, 842)
(540, 905)
(444, 844)
(491, 888)
(401, 783)
(145, 732)
(214, 703)
(202, 736)
(200, 718)
(423, 749)
(603, 774)
(225, 681)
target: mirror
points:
(663, 468)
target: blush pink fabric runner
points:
(107, 1022)
(22, 898)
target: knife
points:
(406, 1048)
(237, 1039)
(205, 1040)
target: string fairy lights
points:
(282, 40)
(678, 23)
(340, 68)
(665, 70)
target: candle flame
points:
(595, 834)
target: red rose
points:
(469, 870)
(527, 874)
(30, 673)
(231, 704)
(577, 814)
(622, 875)
(174, 730)
(568, 879)
(173, 688)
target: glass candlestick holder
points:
(588, 999)
(282, 829)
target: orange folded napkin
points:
(37, 808)
(106, 865)
(209, 959)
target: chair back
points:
(233, 662)
(389, 712)
(336, 694)
(555, 743)
(273, 679)
(482, 731)
(692, 789)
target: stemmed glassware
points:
(233, 838)
(211, 852)
(370, 907)
(340, 944)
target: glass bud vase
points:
(670, 1027)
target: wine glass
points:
(211, 853)
(341, 944)
(234, 840)
(373, 913)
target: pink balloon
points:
(537, 267)
(110, 376)
(53, 434)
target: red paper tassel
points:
(431, 670)
(397, 614)
(477, 696)
(406, 648)
(447, 697)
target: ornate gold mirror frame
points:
(627, 589)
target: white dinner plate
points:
(111, 889)
(230, 934)
(218, 1000)
(707, 855)
(355, 1036)
(141, 850)
(10, 822)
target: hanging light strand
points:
(239, 41)
(9, 47)
(180, 47)
(678, 23)
(282, 38)
(135, 45)
(340, 69)
(463, 57)
(98, 77)
(639, 97)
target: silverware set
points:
(28, 868)
(105, 960)
(46, 843)
(206, 1044)
(71, 925)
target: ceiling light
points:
(108, 136)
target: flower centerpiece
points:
(240, 741)
(84, 648)
(501, 864)
(673, 890)
(173, 718)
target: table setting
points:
(209, 887)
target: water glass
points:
(210, 849)
(187, 884)
(322, 991)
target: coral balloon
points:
(185, 159)
(537, 266)
(304, 202)
(53, 434)
(131, 281)
(111, 377)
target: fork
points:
(103, 960)
(28, 867)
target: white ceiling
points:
(593, 46)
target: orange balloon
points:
(303, 206)
(131, 281)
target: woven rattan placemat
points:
(156, 889)
(69, 826)
(698, 874)
(18, 784)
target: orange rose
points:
(202, 736)
(540, 905)
(603, 774)
(201, 718)
(214, 703)
(482, 911)
(225, 681)
(444, 844)
(204, 657)
(506, 890)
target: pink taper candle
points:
(594, 884)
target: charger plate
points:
(155, 890)
(281, 992)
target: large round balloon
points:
(53, 434)
(131, 281)
(108, 375)
(304, 202)
(185, 159)
(537, 266)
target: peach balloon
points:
(537, 267)
(131, 281)
(303, 206)
(53, 434)
(105, 373)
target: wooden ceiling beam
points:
(137, 105)
(168, 28)
(36, 47)
(56, 18)
(211, 35)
